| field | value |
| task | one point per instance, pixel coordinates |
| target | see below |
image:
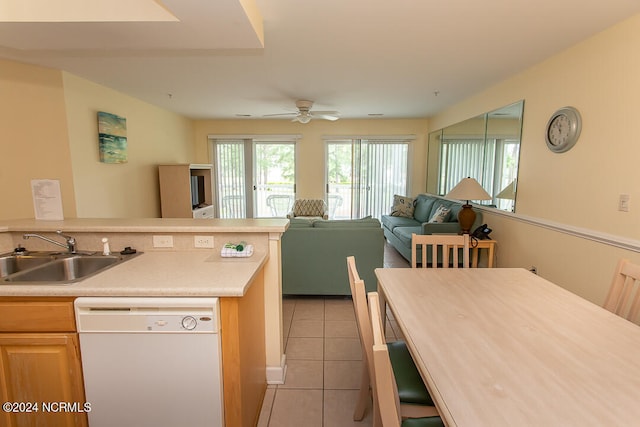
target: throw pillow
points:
(440, 214)
(402, 206)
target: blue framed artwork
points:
(112, 136)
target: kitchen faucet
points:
(70, 244)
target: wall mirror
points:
(485, 147)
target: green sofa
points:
(314, 255)
(398, 229)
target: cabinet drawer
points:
(203, 212)
(37, 315)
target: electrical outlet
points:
(203, 241)
(623, 203)
(162, 241)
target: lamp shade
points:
(468, 189)
(508, 192)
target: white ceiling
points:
(359, 57)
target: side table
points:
(476, 245)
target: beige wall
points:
(49, 124)
(66, 106)
(34, 137)
(579, 188)
(154, 136)
(310, 150)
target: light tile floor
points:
(324, 362)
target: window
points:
(362, 175)
(254, 176)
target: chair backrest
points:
(624, 295)
(335, 201)
(233, 206)
(359, 297)
(280, 204)
(309, 207)
(352, 270)
(386, 390)
(445, 244)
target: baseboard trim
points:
(277, 374)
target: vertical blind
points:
(379, 169)
(492, 162)
(464, 158)
(230, 178)
(385, 173)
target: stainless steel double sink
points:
(54, 267)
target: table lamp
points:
(508, 192)
(467, 189)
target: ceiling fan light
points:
(304, 118)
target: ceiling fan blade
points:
(279, 114)
(326, 115)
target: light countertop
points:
(149, 225)
(156, 272)
(159, 274)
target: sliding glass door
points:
(363, 175)
(254, 179)
(274, 189)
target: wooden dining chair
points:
(386, 389)
(352, 271)
(624, 294)
(414, 397)
(445, 244)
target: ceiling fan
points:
(304, 114)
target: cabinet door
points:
(42, 369)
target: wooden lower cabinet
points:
(243, 355)
(40, 372)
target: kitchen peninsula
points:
(249, 288)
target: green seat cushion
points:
(391, 222)
(411, 389)
(348, 223)
(300, 223)
(423, 422)
(404, 234)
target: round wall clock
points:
(563, 129)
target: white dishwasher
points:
(151, 361)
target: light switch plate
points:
(623, 203)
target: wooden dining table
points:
(505, 347)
